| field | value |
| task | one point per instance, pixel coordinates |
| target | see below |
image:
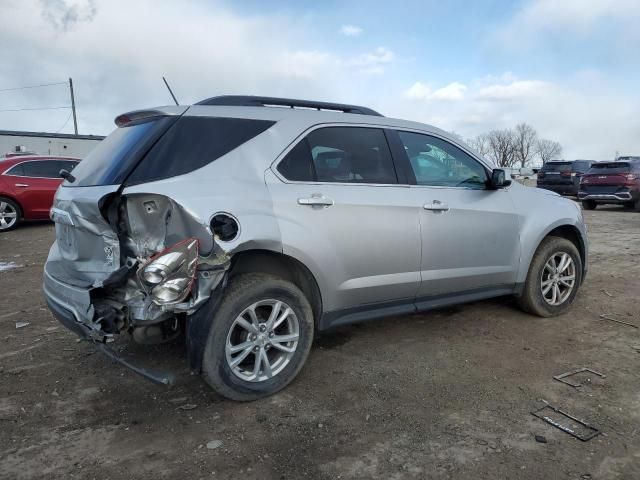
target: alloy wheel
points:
(262, 340)
(558, 278)
(8, 216)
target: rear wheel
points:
(554, 277)
(260, 337)
(637, 205)
(589, 204)
(10, 214)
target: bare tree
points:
(525, 141)
(480, 144)
(502, 147)
(548, 150)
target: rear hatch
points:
(147, 146)
(87, 249)
(609, 173)
(555, 173)
(608, 177)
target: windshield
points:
(115, 156)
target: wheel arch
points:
(563, 230)
(283, 266)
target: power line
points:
(32, 86)
(65, 123)
(29, 109)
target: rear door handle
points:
(316, 200)
(436, 206)
(21, 185)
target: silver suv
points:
(251, 223)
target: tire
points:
(532, 299)
(589, 204)
(637, 205)
(242, 295)
(9, 207)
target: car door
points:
(469, 234)
(343, 213)
(35, 183)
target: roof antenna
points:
(170, 91)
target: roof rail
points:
(252, 101)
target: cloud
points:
(421, 91)
(117, 60)
(453, 91)
(351, 30)
(537, 18)
(514, 90)
(65, 14)
(373, 62)
(584, 112)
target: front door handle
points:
(436, 206)
(21, 185)
(316, 200)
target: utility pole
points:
(73, 107)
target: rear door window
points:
(341, 155)
(192, 143)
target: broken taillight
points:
(168, 276)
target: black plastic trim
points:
(409, 305)
(66, 318)
(253, 101)
(199, 325)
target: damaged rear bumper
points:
(71, 306)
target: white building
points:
(40, 143)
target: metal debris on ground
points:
(607, 316)
(541, 439)
(607, 293)
(21, 324)
(213, 444)
(563, 376)
(187, 406)
(571, 425)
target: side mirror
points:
(498, 179)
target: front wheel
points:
(589, 204)
(260, 337)
(555, 274)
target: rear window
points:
(610, 167)
(113, 158)
(581, 166)
(192, 143)
(557, 167)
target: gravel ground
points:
(445, 394)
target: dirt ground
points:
(445, 394)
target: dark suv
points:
(562, 176)
(612, 182)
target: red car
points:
(612, 182)
(27, 187)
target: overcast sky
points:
(570, 68)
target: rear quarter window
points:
(192, 143)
